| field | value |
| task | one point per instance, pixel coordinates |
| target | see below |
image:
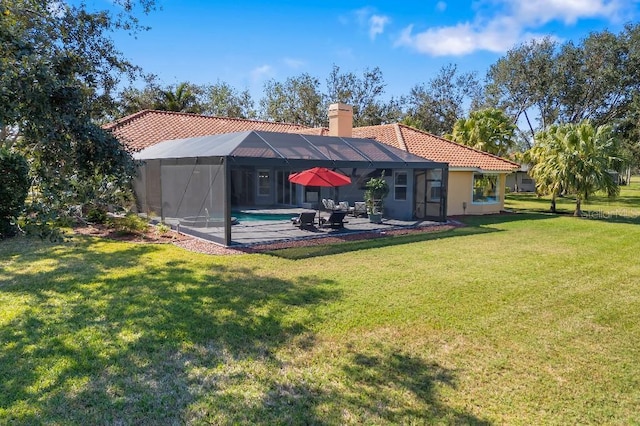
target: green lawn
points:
(515, 319)
(625, 207)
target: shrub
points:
(376, 189)
(162, 228)
(96, 215)
(14, 187)
(131, 223)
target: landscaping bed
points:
(152, 236)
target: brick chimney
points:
(340, 120)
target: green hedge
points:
(14, 187)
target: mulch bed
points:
(198, 245)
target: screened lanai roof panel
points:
(287, 146)
(254, 146)
(291, 146)
(335, 151)
(335, 148)
(202, 146)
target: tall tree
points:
(59, 71)
(298, 100)
(523, 83)
(576, 159)
(134, 99)
(596, 79)
(489, 130)
(182, 97)
(437, 105)
(222, 100)
(365, 95)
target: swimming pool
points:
(252, 217)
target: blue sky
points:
(245, 43)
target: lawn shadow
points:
(113, 336)
(615, 216)
(373, 374)
(379, 385)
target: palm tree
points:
(182, 99)
(577, 159)
(594, 154)
(489, 130)
(549, 166)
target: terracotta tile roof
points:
(434, 148)
(148, 127)
(317, 131)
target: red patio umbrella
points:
(319, 176)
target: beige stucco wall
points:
(459, 191)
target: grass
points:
(516, 319)
(625, 207)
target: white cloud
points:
(293, 63)
(262, 72)
(376, 25)
(362, 15)
(441, 6)
(458, 40)
(568, 11)
(512, 22)
(373, 22)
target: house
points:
(197, 182)
(520, 180)
(475, 183)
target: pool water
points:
(251, 217)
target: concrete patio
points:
(252, 232)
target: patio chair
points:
(305, 219)
(335, 220)
(344, 206)
(359, 209)
(331, 205)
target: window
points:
(434, 186)
(400, 186)
(485, 188)
(264, 183)
(311, 194)
(435, 192)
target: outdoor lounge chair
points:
(305, 219)
(328, 204)
(335, 220)
(359, 209)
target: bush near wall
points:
(14, 187)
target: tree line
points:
(303, 99)
(536, 84)
(61, 72)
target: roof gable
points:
(434, 147)
(148, 127)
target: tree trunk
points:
(553, 203)
(578, 211)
